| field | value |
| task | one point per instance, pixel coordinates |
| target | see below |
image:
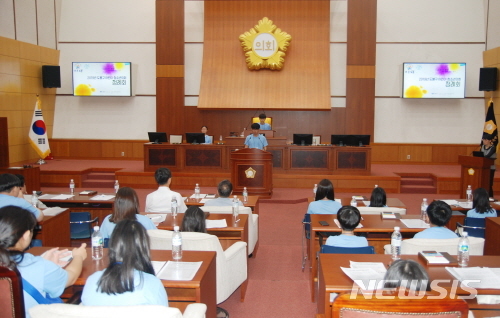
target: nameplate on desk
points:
(88, 192)
(437, 258)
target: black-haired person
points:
(262, 122)
(439, 214)
(160, 200)
(349, 218)
(23, 193)
(10, 186)
(255, 140)
(407, 274)
(225, 189)
(129, 278)
(489, 150)
(378, 199)
(324, 200)
(126, 206)
(481, 207)
(194, 220)
(208, 139)
(44, 273)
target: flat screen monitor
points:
(360, 140)
(195, 138)
(433, 80)
(102, 79)
(341, 140)
(303, 139)
(157, 137)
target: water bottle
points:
(34, 199)
(220, 139)
(197, 191)
(174, 207)
(354, 202)
(463, 250)
(396, 243)
(236, 208)
(245, 195)
(376, 186)
(97, 244)
(315, 189)
(468, 194)
(72, 186)
(176, 244)
(117, 186)
(423, 211)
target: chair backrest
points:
(372, 210)
(307, 225)
(11, 294)
(226, 209)
(360, 306)
(80, 225)
(69, 311)
(347, 250)
(415, 245)
(475, 226)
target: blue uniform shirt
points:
(436, 232)
(265, 126)
(323, 207)
(107, 226)
(6, 200)
(258, 142)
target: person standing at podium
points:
(255, 140)
(263, 124)
(489, 149)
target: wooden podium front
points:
(475, 172)
(252, 168)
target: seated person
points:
(262, 122)
(439, 214)
(23, 193)
(129, 278)
(160, 200)
(194, 220)
(225, 189)
(378, 198)
(255, 140)
(481, 207)
(126, 207)
(408, 274)
(208, 139)
(325, 199)
(10, 186)
(348, 217)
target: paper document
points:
(476, 277)
(465, 205)
(366, 203)
(338, 224)
(365, 278)
(86, 192)
(210, 196)
(211, 224)
(415, 224)
(60, 197)
(450, 202)
(201, 196)
(102, 197)
(174, 270)
(53, 211)
(204, 200)
(47, 196)
(379, 267)
(157, 217)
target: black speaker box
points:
(51, 76)
(488, 79)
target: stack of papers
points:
(173, 270)
(55, 196)
(477, 277)
(157, 217)
(53, 211)
(388, 215)
(211, 224)
(367, 275)
(450, 202)
(465, 205)
(201, 196)
(338, 224)
(415, 224)
(102, 197)
(433, 257)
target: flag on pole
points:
(490, 125)
(38, 132)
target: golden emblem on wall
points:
(250, 173)
(265, 45)
(471, 171)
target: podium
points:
(266, 133)
(475, 171)
(253, 169)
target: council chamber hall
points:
(288, 100)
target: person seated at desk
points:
(130, 278)
(407, 274)
(44, 273)
(208, 139)
(23, 194)
(126, 207)
(378, 198)
(194, 220)
(324, 200)
(439, 213)
(160, 200)
(348, 217)
(225, 189)
(255, 140)
(262, 122)
(481, 207)
(10, 186)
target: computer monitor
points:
(341, 140)
(360, 140)
(157, 137)
(302, 139)
(195, 138)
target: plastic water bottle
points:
(353, 201)
(220, 139)
(463, 250)
(34, 199)
(245, 195)
(396, 243)
(197, 191)
(174, 207)
(315, 189)
(468, 194)
(117, 186)
(423, 211)
(72, 186)
(97, 244)
(236, 207)
(176, 244)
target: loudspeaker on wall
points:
(488, 79)
(51, 76)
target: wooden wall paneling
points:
(90, 149)
(385, 153)
(4, 142)
(170, 105)
(360, 106)
(361, 32)
(417, 153)
(448, 154)
(170, 32)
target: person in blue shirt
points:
(255, 140)
(126, 206)
(349, 218)
(208, 139)
(324, 199)
(378, 198)
(10, 186)
(439, 214)
(129, 278)
(481, 207)
(262, 122)
(225, 189)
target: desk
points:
(202, 289)
(492, 233)
(333, 280)
(391, 202)
(253, 202)
(54, 230)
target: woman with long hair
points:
(325, 199)
(129, 278)
(481, 207)
(378, 198)
(194, 220)
(44, 272)
(126, 207)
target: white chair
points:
(150, 311)
(253, 223)
(372, 210)
(231, 264)
(415, 245)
